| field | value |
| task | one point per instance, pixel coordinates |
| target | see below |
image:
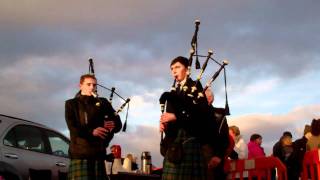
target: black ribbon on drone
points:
(194, 42)
(112, 90)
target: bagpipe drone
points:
(112, 93)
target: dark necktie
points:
(178, 88)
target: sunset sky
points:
(272, 46)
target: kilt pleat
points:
(192, 166)
(80, 169)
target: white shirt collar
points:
(182, 82)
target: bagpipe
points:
(112, 93)
(195, 93)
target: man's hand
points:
(165, 118)
(162, 127)
(100, 132)
(214, 161)
(109, 125)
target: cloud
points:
(260, 87)
(283, 42)
(145, 108)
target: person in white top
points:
(240, 146)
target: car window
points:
(58, 144)
(25, 137)
(9, 139)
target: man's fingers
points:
(100, 132)
(164, 118)
(101, 129)
(102, 136)
(161, 127)
(109, 124)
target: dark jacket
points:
(83, 114)
(276, 150)
(288, 155)
(300, 148)
(200, 120)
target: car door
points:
(58, 149)
(24, 149)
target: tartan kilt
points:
(192, 167)
(83, 169)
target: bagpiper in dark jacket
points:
(83, 114)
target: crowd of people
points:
(291, 153)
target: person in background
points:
(255, 150)
(314, 140)
(92, 123)
(277, 150)
(230, 152)
(115, 151)
(300, 147)
(254, 147)
(288, 158)
(277, 147)
(240, 147)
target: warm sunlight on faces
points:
(88, 86)
(178, 71)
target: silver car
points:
(29, 150)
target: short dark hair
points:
(183, 60)
(315, 127)
(307, 129)
(255, 136)
(84, 76)
(287, 133)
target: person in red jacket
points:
(254, 147)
